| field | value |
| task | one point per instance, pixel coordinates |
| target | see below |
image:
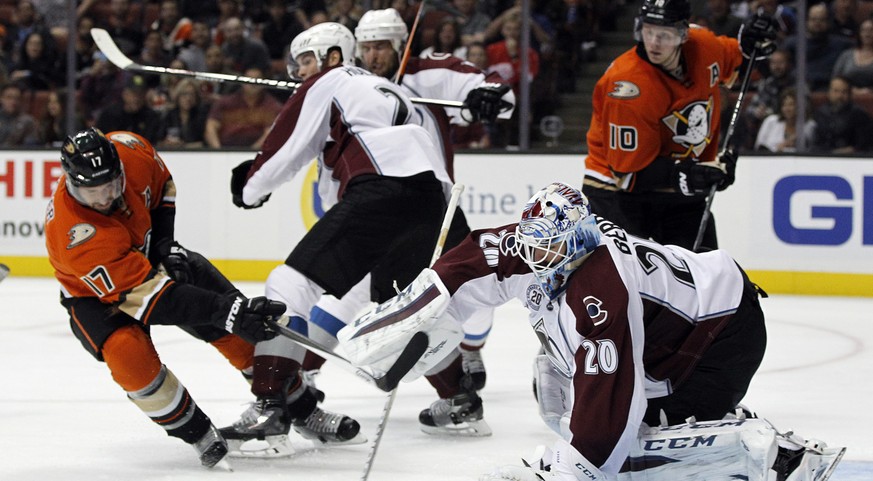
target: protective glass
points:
(661, 35)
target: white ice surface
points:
(62, 417)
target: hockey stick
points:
(707, 210)
(404, 60)
(457, 190)
(388, 382)
(119, 59)
(4, 271)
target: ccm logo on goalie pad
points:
(424, 299)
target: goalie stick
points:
(388, 382)
(114, 54)
(457, 190)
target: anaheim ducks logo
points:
(625, 90)
(691, 127)
(80, 233)
(127, 140)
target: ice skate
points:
(471, 363)
(316, 424)
(459, 415)
(805, 460)
(212, 449)
(261, 431)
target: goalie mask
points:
(320, 40)
(555, 233)
(376, 25)
(94, 173)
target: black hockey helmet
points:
(90, 160)
(666, 13)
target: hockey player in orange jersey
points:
(653, 140)
(109, 236)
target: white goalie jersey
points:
(354, 123)
(630, 326)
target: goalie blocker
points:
(377, 339)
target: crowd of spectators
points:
(239, 36)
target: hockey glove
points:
(485, 102)
(692, 178)
(729, 160)
(175, 262)
(247, 318)
(238, 179)
(758, 35)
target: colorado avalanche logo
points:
(691, 128)
(597, 315)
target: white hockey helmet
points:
(384, 24)
(556, 231)
(320, 40)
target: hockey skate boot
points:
(459, 415)
(471, 363)
(211, 447)
(314, 423)
(266, 420)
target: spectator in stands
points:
(85, 46)
(186, 121)
(472, 22)
(784, 15)
(242, 52)
(17, 128)
(53, 123)
(478, 55)
(504, 56)
(153, 53)
(38, 66)
(540, 28)
(720, 20)
(123, 27)
(822, 47)
(175, 30)
(244, 118)
(227, 9)
(101, 86)
(311, 12)
(778, 132)
(768, 89)
(841, 126)
(344, 12)
(280, 27)
(216, 63)
(843, 21)
(446, 41)
(133, 113)
(25, 20)
(856, 64)
(194, 54)
(575, 38)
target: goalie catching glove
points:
(238, 178)
(485, 102)
(248, 318)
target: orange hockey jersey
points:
(105, 256)
(641, 112)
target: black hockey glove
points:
(485, 102)
(692, 178)
(758, 35)
(238, 181)
(729, 160)
(175, 262)
(247, 318)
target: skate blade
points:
(358, 439)
(830, 458)
(470, 429)
(223, 465)
(278, 446)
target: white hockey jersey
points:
(444, 77)
(354, 123)
(633, 322)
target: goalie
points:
(638, 339)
